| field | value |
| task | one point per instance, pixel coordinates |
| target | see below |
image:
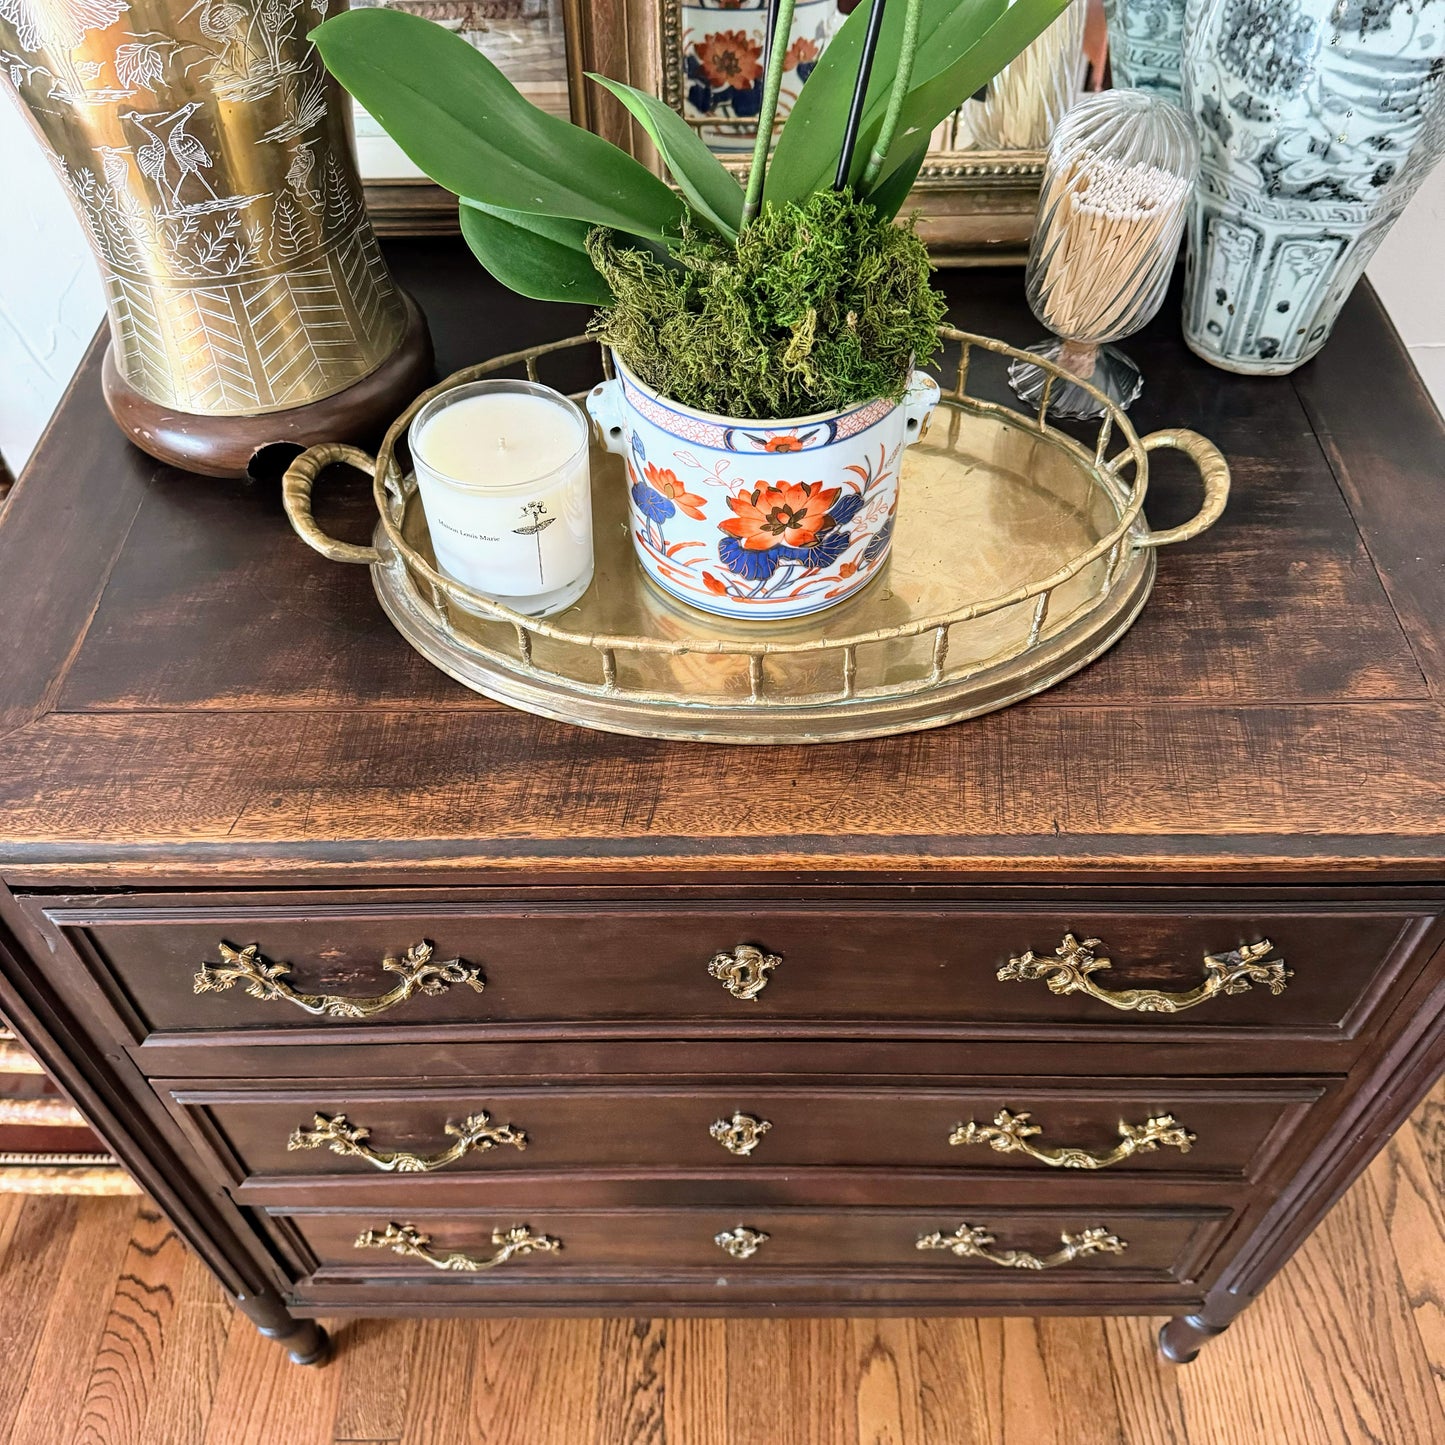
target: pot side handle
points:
(604, 406)
(919, 403)
(1213, 471)
(296, 496)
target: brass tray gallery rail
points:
(1020, 554)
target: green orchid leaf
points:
(805, 158)
(709, 186)
(940, 88)
(544, 257)
(889, 195)
(467, 126)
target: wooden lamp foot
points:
(257, 446)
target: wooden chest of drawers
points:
(397, 1000)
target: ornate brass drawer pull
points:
(476, 1133)
(406, 1239)
(267, 981)
(1070, 970)
(741, 1134)
(742, 1242)
(1010, 1133)
(744, 972)
(969, 1241)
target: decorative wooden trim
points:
(15, 1058)
(44, 1113)
(94, 1175)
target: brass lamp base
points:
(240, 446)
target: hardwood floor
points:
(111, 1333)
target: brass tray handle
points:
(1069, 972)
(1213, 472)
(296, 497)
(744, 972)
(969, 1241)
(475, 1134)
(1010, 1133)
(267, 981)
(406, 1239)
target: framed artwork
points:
(976, 195)
(538, 44)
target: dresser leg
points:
(304, 1340)
(307, 1344)
(1181, 1339)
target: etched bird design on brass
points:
(190, 154)
(59, 25)
(150, 154)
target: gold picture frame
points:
(415, 206)
(975, 207)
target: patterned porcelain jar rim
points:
(723, 419)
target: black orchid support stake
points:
(860, 93)
(902, 79)
(898, 94)
(770, 34)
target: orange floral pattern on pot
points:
(760, 519)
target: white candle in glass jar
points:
(503, 468)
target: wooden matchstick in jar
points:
(1120, 170)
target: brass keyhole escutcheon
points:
(741, 1134)
(744, 972)
(742, 1242)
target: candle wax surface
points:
(499, 439)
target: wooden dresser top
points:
(191, 695)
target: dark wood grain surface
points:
(189, 688)
(208, 734)
(1345, 1347)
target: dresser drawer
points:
(746, 963)
(978, 1249)
(1199, 1129)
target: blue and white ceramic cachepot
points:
(760, 520)
(1319, 120)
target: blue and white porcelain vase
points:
(724, 43)
(1319, 120)
(1146, 44)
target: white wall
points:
(1409, 273)
(50, 296)
(50, 299)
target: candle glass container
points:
(503, 468)
(1121, 167)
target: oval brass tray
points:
(1020, 554)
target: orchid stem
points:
(912, 23)
(772, 88)
(860, 94)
